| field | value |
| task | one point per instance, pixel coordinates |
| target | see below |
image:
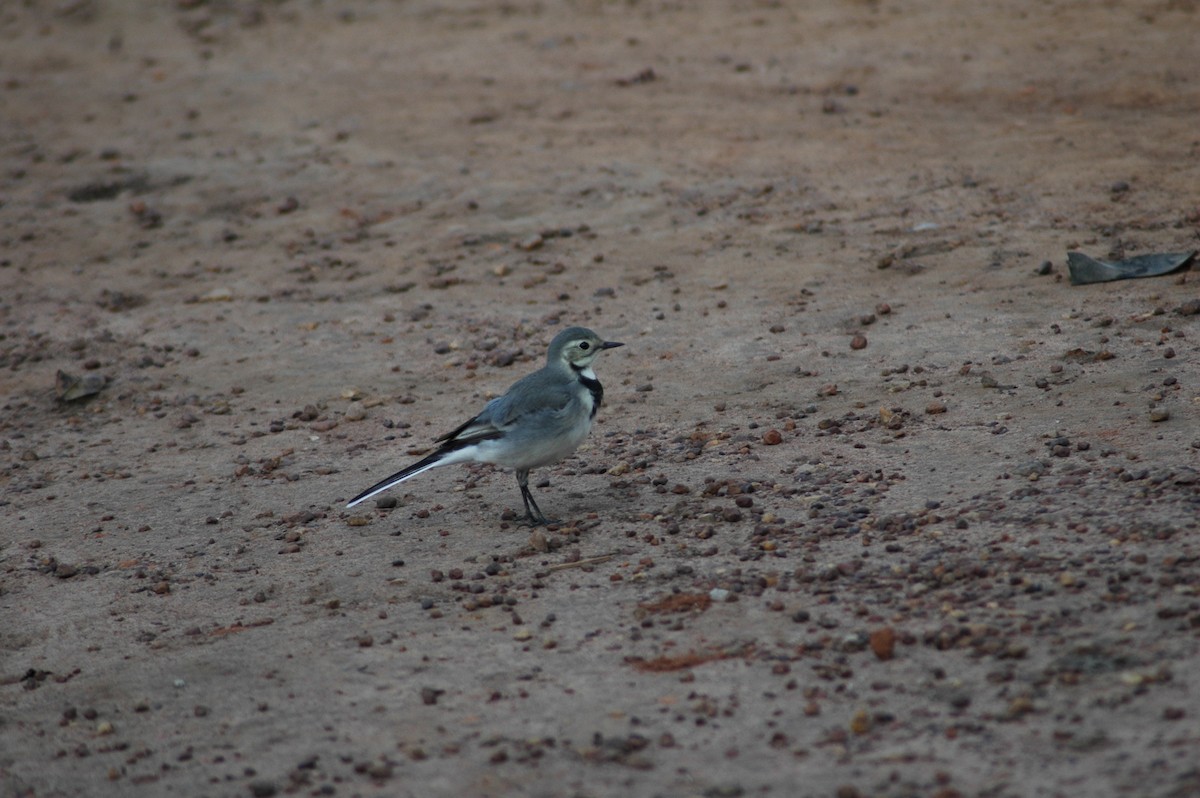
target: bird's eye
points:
(584, 345)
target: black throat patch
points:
(596, 389)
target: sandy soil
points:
(879, 504)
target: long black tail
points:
(421, 466)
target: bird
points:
(542, 418)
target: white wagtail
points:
(540, 420)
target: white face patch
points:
(577, 358)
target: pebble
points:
(935, 407)
(70, 388)
(217, 295)
(380, 770)
(1021, 705)
(883, 643)
(859, 341)
(772, 437)
(1159, 414)
(1030, 468)
(530, 243)
(262, 789)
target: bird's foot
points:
(530, 520)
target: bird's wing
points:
(533, 394)
(480, 428)
(538, 393)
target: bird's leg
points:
(532, 512)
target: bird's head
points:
(577, 347)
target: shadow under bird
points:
(540, 420)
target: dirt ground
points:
(879, 504)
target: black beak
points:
(610, 345)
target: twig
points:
(580, 563)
